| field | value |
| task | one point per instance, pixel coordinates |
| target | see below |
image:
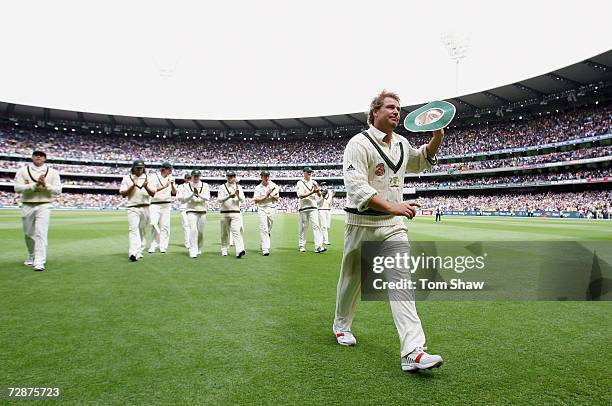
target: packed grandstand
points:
(553, 162)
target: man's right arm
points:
(21, 183)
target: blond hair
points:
(378, 102)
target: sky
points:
(236, 59)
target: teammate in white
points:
(135, 187)
(161, 207)
(266, 196)
(196, 195)
(308, 192)
(39, 185)
(230, 196)
(374, 165)
(180, 190)
(325, 205)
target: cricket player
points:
(136, 188)
(438, 213)
(39, 185)
(180, 191)
(374, 164)
(230, 196)
(266, 196)
(309, 193)
(161, 207)
(196, 195)
(325, 205)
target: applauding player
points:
(308, 192)
(38, 185)
(159, 211)
(195, 195)
(230, 196)
(136, 188)
(266, 197)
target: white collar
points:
(40, 168)
(379, 135)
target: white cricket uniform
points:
(36, 203)
(196, 197)
(180, 191)
(370, 168)
(325, 205)
(159, 211)
(308, 212)
(138, 213)
(230, 219)
(266, 212)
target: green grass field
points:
(172, 330)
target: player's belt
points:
(307, 208)
(140, 205)
(160, 202)
(324, 209)
(196, 211)
(230, 211)
(35, 203)
(368, 212)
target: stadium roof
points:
(592, 74)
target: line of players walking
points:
(150, 203)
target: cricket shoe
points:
(29, 261)
(241, 254)
(345, 338)
(133, 258)
(39, 268)
(139, 256)
(224, 252)
(302, 249)
(265, 253)
(320, 250)
(152, 250)
(419, 359)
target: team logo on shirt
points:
(380, 169)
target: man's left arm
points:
(425, 156)
(55, 186)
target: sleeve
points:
(418, 160)
(299, 189)
(125, 184)
(21, 183)
(276, 189)
(55, 187)
(241, 196)
(222, 195)
(206, 192)
(355, 170)
(258, 192)
(184, 194)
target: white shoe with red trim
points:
(419, 359)
(345, 338)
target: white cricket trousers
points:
(348, 292)
(197, 221)
(35, 219)
(231, 223)
(311, 215)
(266, 220)
(186, 233)
(160, 226)
(325, 222)
(138, 220)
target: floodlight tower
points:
(457, 45)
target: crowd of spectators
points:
(584, 202)
(196, 150)
(450, 168)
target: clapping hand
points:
(41, 181)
